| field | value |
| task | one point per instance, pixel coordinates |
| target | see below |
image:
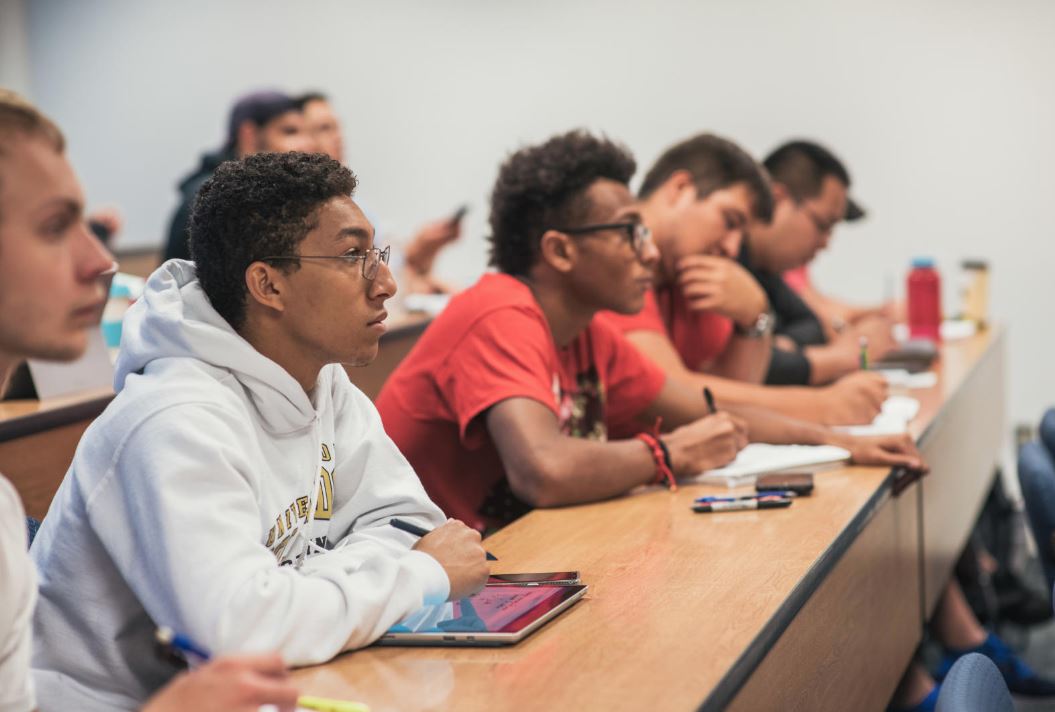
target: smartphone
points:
(560, 578)
(801, 483)
(459, 214)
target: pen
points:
(780, 494)
(414, 529)
(863, 342)
(742, 505)
(166, 636)
(709, 397)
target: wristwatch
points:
(763, 326)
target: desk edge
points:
(32, 423)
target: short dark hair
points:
(801, 167)
(714, 163)
(310, 96)
(20, 119)
(260, 206)
(541, 187)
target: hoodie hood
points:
(173, 326)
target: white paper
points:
(896, 414)
(761, 458)
(900, 378)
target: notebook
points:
(760, 459)
(897, 413)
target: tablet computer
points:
(497, 615)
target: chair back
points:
(974, 684)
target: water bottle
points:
(114, 314)
(924, 300)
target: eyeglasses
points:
(636, 233)
(371, 258)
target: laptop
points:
(497, 615)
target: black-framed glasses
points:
(636, 233)
(371, 258)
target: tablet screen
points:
(495, 609)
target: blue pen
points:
(167, 636)
(747, 497)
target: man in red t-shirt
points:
(508, 399)
(706, 310)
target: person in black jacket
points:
(260, 121)
(810, 197)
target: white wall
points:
(14, 46)
(943, 110)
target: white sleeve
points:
(387, 485)
(179, 517)
(17, 596)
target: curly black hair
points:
(260, 206)
(714, 163)
(540, 188)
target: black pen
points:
(709, 397)
(414, 529)
(741, 505)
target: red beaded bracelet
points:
(664, 475)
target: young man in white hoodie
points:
(239, 489)
(51, 293)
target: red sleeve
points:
(632, 380)
(798, 279)
(648, 319)
(507, 353)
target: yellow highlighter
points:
(321, 704)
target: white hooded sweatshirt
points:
(214, 496)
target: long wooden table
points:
(816, 607)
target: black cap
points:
(258, 107)
(853, 210)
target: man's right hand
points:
(855, 399)
(707, 443)
(461, 554)
(240, 683)
(723, 286)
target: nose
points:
(731, 244)
(92, 259)
(384, 285)
(649, 254)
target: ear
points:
(246, 139)
(558, 250)
(780, 192)
(678, 188)
(266, 286)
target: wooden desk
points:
(816, 607)
(38, 439)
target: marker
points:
(414, 529)
(741, 505)
(166, 636)
(863, 343)
(779, 494)
(709, 397)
